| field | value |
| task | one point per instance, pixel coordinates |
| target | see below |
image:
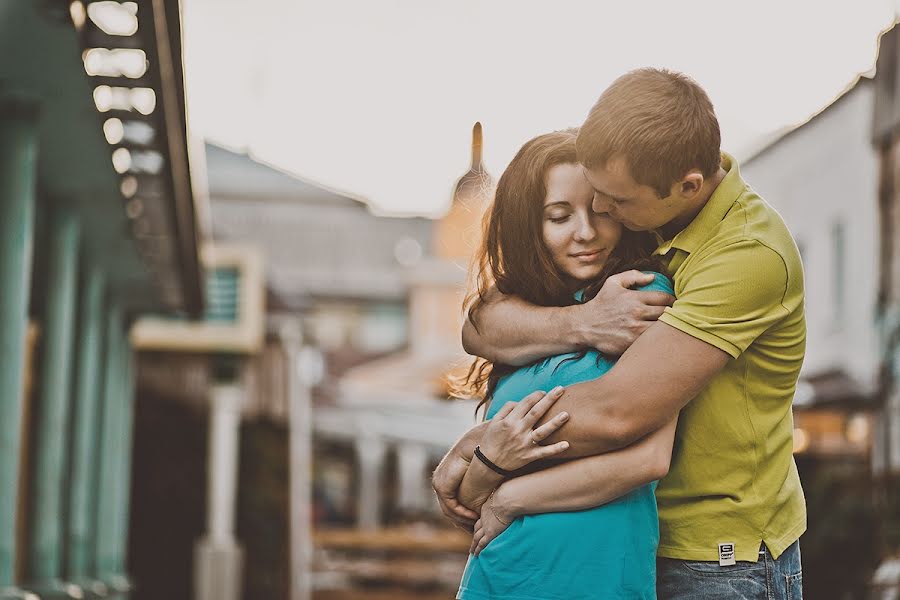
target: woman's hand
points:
(493, 521)
(510, 441)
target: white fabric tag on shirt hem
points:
(726, 554)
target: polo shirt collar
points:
(723, 198)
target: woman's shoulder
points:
(660, 283)
(547, 373)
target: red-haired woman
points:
(585, 528)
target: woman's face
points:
(579, 240)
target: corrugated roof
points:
(317, 243)
(233, 174)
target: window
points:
(839, 271)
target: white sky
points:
(377, 98)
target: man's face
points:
(636, 206)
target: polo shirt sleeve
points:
(729, 296)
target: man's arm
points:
(576, 485)
(513, 332)
(450, 472)
(722, 308)
(661, 372)
(590, 481)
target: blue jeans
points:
(766, 579)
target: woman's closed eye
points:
(558, 217)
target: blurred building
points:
(198, 362)
(886, 123)
(333, 267)
(834, 179)
(335, 295)
(822, 178)
(98, 225)
(886, 456)
(400, 404)
(374, 303)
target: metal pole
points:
(45, 561)
(80, 531)
(18, 169)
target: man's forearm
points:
(449, 474)
(597, 423)
(512, 332)
(465, 446)
(661, 372)
(588, 482)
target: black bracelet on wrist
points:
(490, 465)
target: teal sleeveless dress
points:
(603, 553)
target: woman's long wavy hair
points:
(513, 257)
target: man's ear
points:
(691, 184)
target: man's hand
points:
(445, 481)
(617, 315)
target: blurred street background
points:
(233, 249)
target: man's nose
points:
(601, 203)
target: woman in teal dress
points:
(585, 528)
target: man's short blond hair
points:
(660, 122)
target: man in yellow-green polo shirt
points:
(726, 354)
(739, 285)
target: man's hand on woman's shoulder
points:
(618, 314)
